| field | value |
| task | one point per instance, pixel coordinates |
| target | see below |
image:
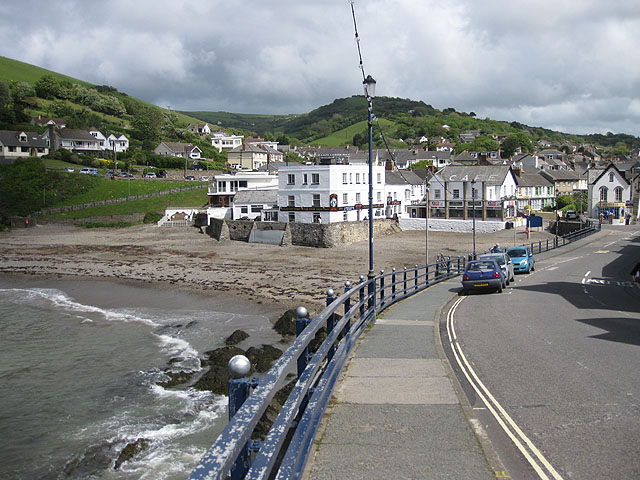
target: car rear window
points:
(517, 253)
(477, 266)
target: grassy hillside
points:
(345, 135)
(15, 71)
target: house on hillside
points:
(45, 122)
(20, 144)
(118, 143)
(200, 129)
(221, 140)
(178, 149)
(247, 157)
(74, 140)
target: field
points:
(345, 136)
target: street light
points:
(473, 202)
(426, 210)
(369, 85)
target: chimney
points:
(53, 144)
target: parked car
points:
(150, 175)
(161, 174)
(571, 215)
(204, 179)
(70, 169)
(126, 175)
(522, 258)
(482, 275)
(189, 177)
(85, 170)
(505, 264)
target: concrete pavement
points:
(397, 414)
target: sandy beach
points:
(276, 277)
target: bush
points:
(152, 217)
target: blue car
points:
(482, 275)
(522, 258)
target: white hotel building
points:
(329, 193)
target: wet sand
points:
(270, 277)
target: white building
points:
(609, 194)
(250, 204)
(222, 141)
(329, 193)
(117, 143)
(225, 186)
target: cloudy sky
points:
(568, 65)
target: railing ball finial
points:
(347, 284)
(381, 272)
(330, 292)
(239, 366)
(361, 278)
(302, 312)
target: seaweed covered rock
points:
(286, 324)
(263, 357)
(236, 337)
(216, 379)
(131, 450)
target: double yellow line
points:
(535, 458)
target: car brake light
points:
(496, 274)
(465, 277)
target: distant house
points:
(200, 129)
(221, 140)
(565, 182)
(20, 144)
(117, 143)
(247, 157)
(45, 122)
(445, 146)
(102, 140)
(178, 149)
(535, 192)
(77, 141)
(251, 203)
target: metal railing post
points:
(448, 267)
(331, 321)
(404, 281)
(239, 388)
(301, 323)
(361, 297)
(381, 286)
(393, 283)
(347, 307)
(415, 278)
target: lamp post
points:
(369, 85)
(473, 203)
(426, 215)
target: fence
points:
(283, 452)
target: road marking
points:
(587, 274)
(551, 268)
(601, 251)
(513, 431)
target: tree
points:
(22, 90)
(513, 142)
(479, 144)
(47, 87)
(147, 125)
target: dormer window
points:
(23, 137)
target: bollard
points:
(393, 283)
(331, 322)
(381, 285)
(239, 366)
(301, 323)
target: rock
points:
(131, 450)
(175, 379)
(95, 459)
(216, 379)
(286, 324)
(263, 357)
(236, 337)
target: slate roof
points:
(10, 138)
(533, 180)
(402, 177)
(256, 196)
(75, 134)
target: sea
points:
(79, 366)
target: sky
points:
(566, 65)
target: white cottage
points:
(609, 195)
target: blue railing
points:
(289, 440)
(283, 452)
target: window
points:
(357, 197)
(242, 184)
(474, 193)
(344, 178)
(603, 194)
(291, 179)
(379, 196)
(316, 218)
(292, 216)
(304, 179)
(244, 209)
(357, 178)
(345, 217)
(379, 177)
(271, 216)
(256, 208)
(291, 201)
(407, 194)
(345, 198)
(436, 193)
(351, 178)
(618, 194)
(316, 199)
(611, 176)
(315, 178)
(456, 193)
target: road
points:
(550, 366)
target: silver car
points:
(504, 260)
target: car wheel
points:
(533, 268)
(499, 289)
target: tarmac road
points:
(559, 352)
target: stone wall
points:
(129, 218)
(304, 234)
(443, 225)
